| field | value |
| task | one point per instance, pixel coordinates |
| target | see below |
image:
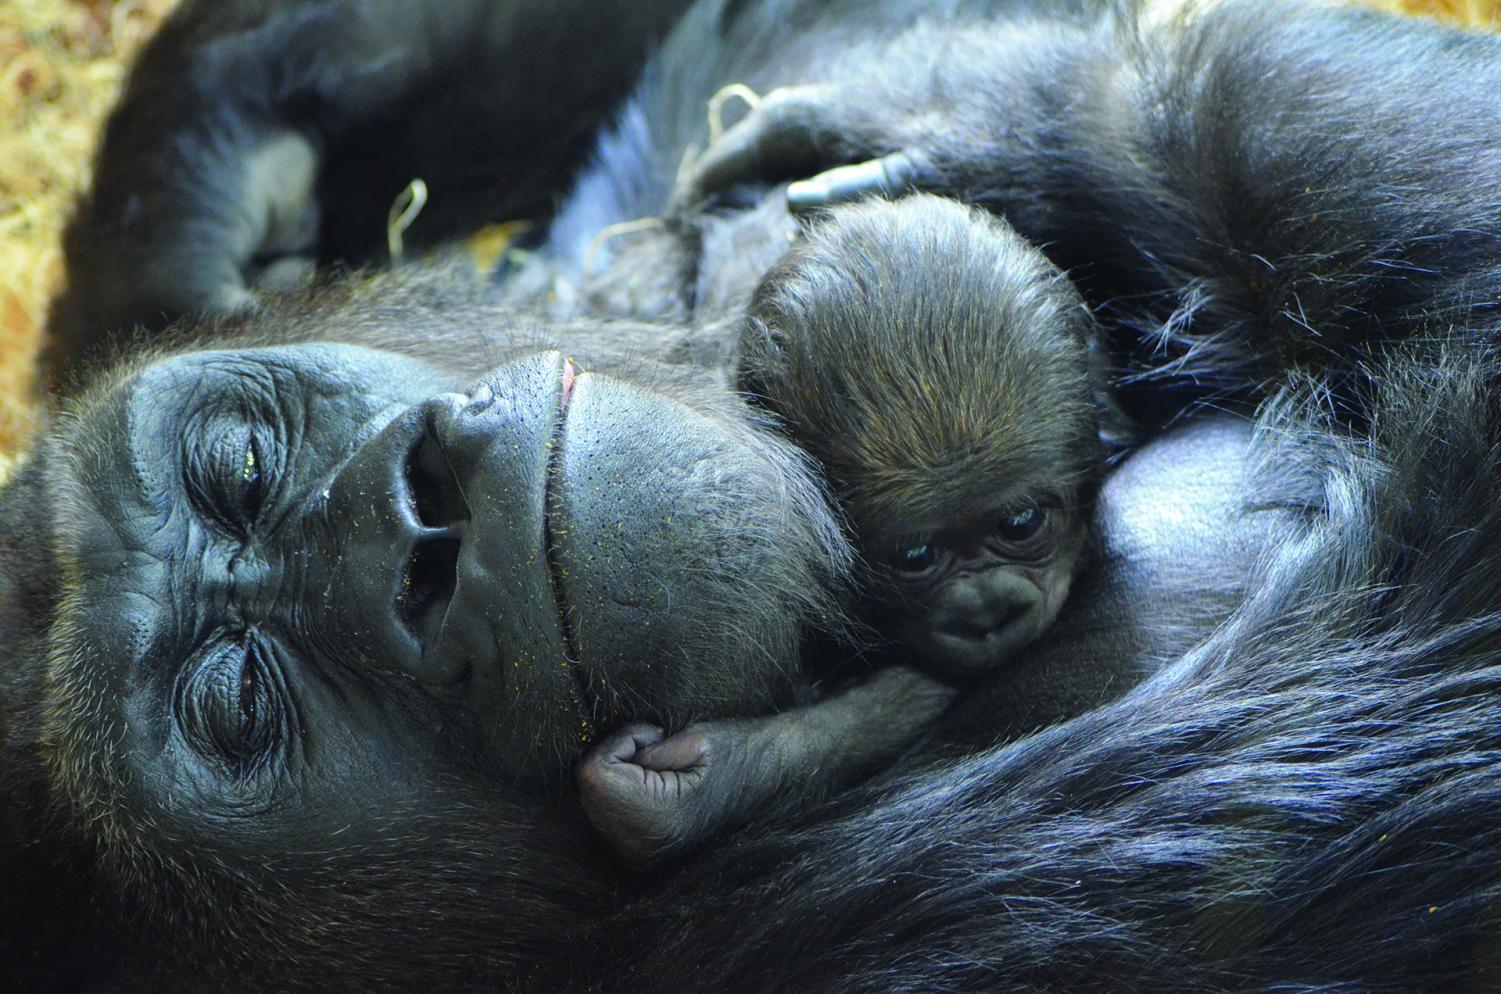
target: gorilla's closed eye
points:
(227, 476)
(225, 702)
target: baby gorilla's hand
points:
(653, 795)
(650, 794)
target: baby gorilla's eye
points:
(1023, 524)
(915, 558)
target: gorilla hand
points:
(796, 129)
(649, 794)
(653, 795)
(946, 109)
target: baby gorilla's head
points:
(938, 366)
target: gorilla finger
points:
(682, 752)
(609, 775)
(889, 176)
(779, 137)
(623, 744)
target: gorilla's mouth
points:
(552, 501)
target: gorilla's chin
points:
(667, 531)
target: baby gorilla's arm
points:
(653, 795)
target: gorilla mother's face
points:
(308, 585)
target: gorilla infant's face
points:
(308, 583)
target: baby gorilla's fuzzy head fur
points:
(929, 357)
(937, 366)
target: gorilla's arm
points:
(654, 796)
(250, 132)
(1263, 182)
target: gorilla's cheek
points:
(667, 539)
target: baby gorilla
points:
(939, 368)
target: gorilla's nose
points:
(981, 624)
(986, 624)
(435, 507)
(440, 529)
(399, 512)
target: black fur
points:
(1304, 798)
(1306, 802)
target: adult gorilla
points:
(242, 753)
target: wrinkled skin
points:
(1303, 794)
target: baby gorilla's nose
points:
(979, 622)
(985, 626)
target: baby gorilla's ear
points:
(1118, 430)
(760, 352)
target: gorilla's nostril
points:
(989, 626)
(1010, 616)
(433, 491)
(428, 584)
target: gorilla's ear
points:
(1118, 431)
(28, 567)
(28, 597)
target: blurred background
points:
(61, 64)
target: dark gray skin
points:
(938, 368)
(1276, 809)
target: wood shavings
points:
(61, 65)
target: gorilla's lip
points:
(556, 572)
